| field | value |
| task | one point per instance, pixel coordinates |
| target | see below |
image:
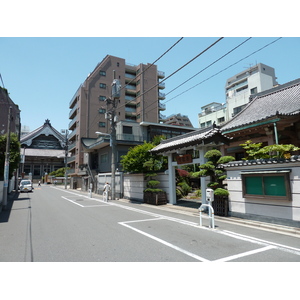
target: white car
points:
(25, 186)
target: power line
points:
(92, 123)
(225, 69)
(204, 69)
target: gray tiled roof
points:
(279, 101)
(187, 140)
(43, 152)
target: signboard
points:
(184, 159)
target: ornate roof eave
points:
(191, 140)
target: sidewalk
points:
(193, 211)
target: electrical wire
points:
(201, 71)
(93, 122)
(225, 69)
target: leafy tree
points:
(59, 172)
(140, 160)
(14, 157)
(256, 151)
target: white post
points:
(172, 184)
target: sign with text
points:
(184, 159)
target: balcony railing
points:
(160, 74)
(161, 95)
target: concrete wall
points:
(134, 185)
(284, 211)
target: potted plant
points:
(152, 194)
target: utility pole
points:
(111, 114)
(6, 164)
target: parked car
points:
(25, 186)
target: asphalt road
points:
(56, 225)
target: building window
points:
(101, 124)
(221, 120)
(202, 125)
(102, 86)
(102, 98)
(102, 111)
(127, 129)
(102, 73)
(253, 91)
(267, 184)
(104, 158)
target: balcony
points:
(71, 159)
(73, 112)
(72, 134)
(161, 96)
(71, 146)
(160, 74)
(161, 106)
(161, 85)
(129, 137)
(161, 117)
(72, 124)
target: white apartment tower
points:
(238, 89)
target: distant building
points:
(5, 103)
(238, 89)
(139, 102)
(42, 152)
(178, 119)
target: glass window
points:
(102, 111)
(102, 86)
(267, 185)
(102, 73)
(104, 158)
(101, 124)
(102, 98)
(127, 129)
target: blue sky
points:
(43, 73)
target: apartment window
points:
(101, 124)
(102, 73)
(253, 91)
(221, 120)
(102, 111)
(104, 158)
(127, 129)
(102, 98)
(102, 86)
(118, 64)
(202, 125)
(267, 184)
(138, 82)
(208, 123)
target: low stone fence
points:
(266, 190)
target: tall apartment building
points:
(15, 123)
(139, 101)
(238, 89)
(178, 119)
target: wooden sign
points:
(184, 159)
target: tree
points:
(213, 168)
(139, 159)
(59, 172)
(14, 154)
(256, 151)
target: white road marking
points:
(268, 245)
(165, 243)
(244, 254)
